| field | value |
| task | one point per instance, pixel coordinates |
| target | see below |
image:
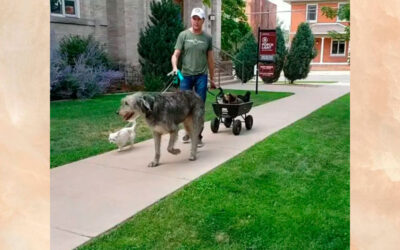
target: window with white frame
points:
(312, 12)
(340, 5)
(338, 48)
(65, 7)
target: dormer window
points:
(312, 12)
(69, 8)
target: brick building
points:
(261, 13)
(332, 54)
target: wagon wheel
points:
(249, 122)
(215, 125)
(227, 122)
(237, 126)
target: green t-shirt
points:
(194, 49)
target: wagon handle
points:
(220, 94)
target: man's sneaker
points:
(200, 144)
(186, 139)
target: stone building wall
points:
(117, 24)
(213, 28)
(92, 20)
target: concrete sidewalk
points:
(341, 78)
(91, 196)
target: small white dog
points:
(124, 136)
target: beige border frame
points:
(375, 125)
(24, 125)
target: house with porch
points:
(331, 54)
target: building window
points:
(312, 12)
(68, 8)
(340, 5)
(338, 48)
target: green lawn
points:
(290, 191)
(79, 129)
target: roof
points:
(323, 28)
(306, 1)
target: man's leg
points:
(200, 86)
(187, 83)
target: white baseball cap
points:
(198, 12)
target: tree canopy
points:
(234, 25)
(344, 14)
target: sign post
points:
(266, 53)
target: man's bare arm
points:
(210, 60)
(174, 59)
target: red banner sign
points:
(266, 45)
(266, 70)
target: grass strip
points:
(80, 128)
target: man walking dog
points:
(195, 47)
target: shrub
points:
(72, 46)
(157, 40)
(302, 51)
(248, 55)
(84, 78)
(89, 81)
(153, 83)
(280, 57)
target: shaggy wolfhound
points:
(163, 113)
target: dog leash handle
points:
(178, 73)
(177, 77)
(180, 76)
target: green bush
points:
(301, 53)
(248, 56)
(157, 40)
(65, 86)
(280, 57)
(153, 83)
(79, 68)
(81, 81)
(72, 46)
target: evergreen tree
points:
(302, 51)
(280, 57)
(248, 55)
(157, 40)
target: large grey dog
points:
(163, 113)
